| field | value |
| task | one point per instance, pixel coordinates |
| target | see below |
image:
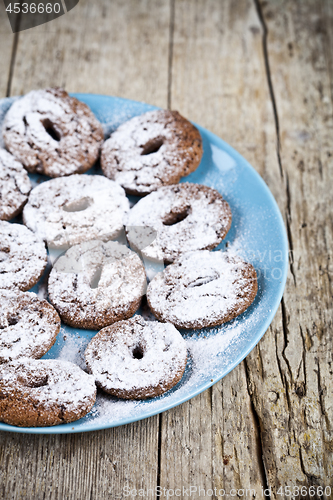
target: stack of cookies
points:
(100, 249)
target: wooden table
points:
(260, 75)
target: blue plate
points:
(257, 234)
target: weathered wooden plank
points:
(290, 371)
(6, 43)
(219, 81)
(327, 16)
(116, 48)
(86, 466)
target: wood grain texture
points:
(85, 466)
(219, 81)
(7, 44)
(290, 372)
(111, 48)
(327, 16)
(260, 75)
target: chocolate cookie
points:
(15, 186)
(185, 217)
(23, 257)
(137, 359)
(28, 326)
(39, 393)
(202, 289)
(152, 150)
(95, 284)
(69, 210)
(51, 133)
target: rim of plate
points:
(74, 427)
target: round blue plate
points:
(257, 234)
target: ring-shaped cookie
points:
(69, 210)
(184, 217)
(23, 257)
(202, 289)
(95, 284)
(51, 133)
(28, 325)
(43, 392)
(137, 359)
(152, 150)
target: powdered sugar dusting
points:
(136, 356)
(28, 326)
(49, 382)
(185, 217)
(200, 289)
(208, 353)
(14, 186)
(68, 210)
(52, 133)
(23, 257)
(73, 348)
(150, 151)
(223, 347)
(95, 284)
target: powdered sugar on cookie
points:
(137, 358)
(69, 210)
(28, 325)
(95, 284)
(23, 257)
(202, 289)
(44, 392)
(15, 186)
(185, 217)
(151, 150)
(52, 133)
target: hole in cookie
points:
(78, 205)
(152, 146)
(175, 217)
(203, 280)
(96, 277)
(51, 130)
(12, 321)
(137, 352)
(36, 382)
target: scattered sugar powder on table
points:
(210, 351)
(207, 356)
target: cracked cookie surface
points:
(23, 257)
(28, 326)
(202, 289)
(137, 359)
(66, 211)
(152, 150)
(51, 133)
(15, 186)
(39, 393)
(184, 217)
(96, 284)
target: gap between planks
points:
(12, 64)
